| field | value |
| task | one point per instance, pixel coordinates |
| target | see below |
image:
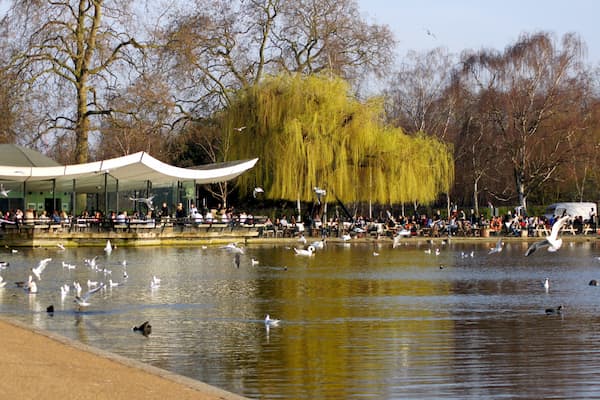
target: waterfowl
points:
(145, 328)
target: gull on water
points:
(2, 282)
(155, 282)
(553, 242)
(60, 246)
(271, 322)
(546, 284)
(305, 252)
(108, 248)
(254, 261)
(318, 244)
(37, 271)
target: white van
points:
(573, 209)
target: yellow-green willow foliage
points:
(309, 131)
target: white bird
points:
(125, 276)
(155, 282)
(32, 288)
(83, 301)
(437, 252)
(60, 246)
(552, 242)
(92, 284)
(2, 282)
(68, 266)
(241, 128)
(255, 261)
(346, 237)
(37, 271)
(112, 284)
(305, 252)
(428, 251)
(108, 248)
(320, 193)
(233, 247)
(77, 287)
(302, 239)
(497, 248)
(146, 200)
(257, 190)
(375, 253)
(546, 284)
(64, 291)
(3, 191)
(396, 241)
(271, 322)
(318, 244)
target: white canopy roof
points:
(133, 171)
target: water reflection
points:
(354, 325)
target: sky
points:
(475, 24)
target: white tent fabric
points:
(133, 171)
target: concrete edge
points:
(179, 379)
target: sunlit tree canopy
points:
(311, 132)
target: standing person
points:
(593, 219)
(180, 214)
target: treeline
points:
(91, 79)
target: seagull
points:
(146, 200)
(3, 191)
(112, 284)
(497, 248)
(302, 239)
(302, 252)
(428, 251)
(83, 301)
(546, 284)
(346, 237)
(552, 242)
(37, 271)
(254, 261)
(318, 244)
(396, 241)
(271, 322)
(60, 246)
(32, 288)
(320, 193)
(92, 284)
(233, 247)
(257, 190)
(375, 254)
(68, 266)
(429, 33)
(145, 328)
(2, 282)
(108, 248)
(155, 282)
(241, 128)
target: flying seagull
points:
(146, 200)
(552, 242)
(257, 190)
(271, 322)
(497, 248)
(320, 193)
(241, 128)
(83, 301)
(37, 271)
(3, 191)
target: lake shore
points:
(39, 364)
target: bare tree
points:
(76, 52)
(528, 85)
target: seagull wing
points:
(558, 226)
(87, 295)
(537, 245)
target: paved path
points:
(41, 365)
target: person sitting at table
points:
(122, 217)
(197, 217)
(56, 217)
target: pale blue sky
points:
(474, 24)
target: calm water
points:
(403, 324)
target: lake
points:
(358, 321)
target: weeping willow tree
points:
(311, 132)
